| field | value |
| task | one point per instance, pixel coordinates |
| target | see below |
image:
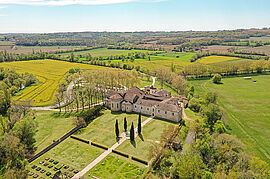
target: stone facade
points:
(152, 102)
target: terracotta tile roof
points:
(126, 102)
(131, 94)
(168, 107)
(147, 102)
(116, 96)
(172, 100)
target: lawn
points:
(247, 105)
(49, 73)
(102, 131)
(74, 154)
(51, 127)
(115, 167)
(151, 134)
(217, 59)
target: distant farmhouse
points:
(150, 101)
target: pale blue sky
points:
(131, 15)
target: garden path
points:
(107, 152)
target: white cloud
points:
(70, 2)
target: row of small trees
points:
(132, 131)
(197, 70)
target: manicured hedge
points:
(120, 153)
(80, 139)
(139, 160)
(99, 145)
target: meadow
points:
(247, 105)
(49, 74)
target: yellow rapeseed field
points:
(49, 74)
(216, 59)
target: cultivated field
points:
(217, 59)
(219, 48)
(263, 49)
(247, 105)
(49, 73)
(29, 49)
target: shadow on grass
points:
(133, 143)
(117, 139)
(141, 137)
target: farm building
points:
(150, 101)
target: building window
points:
(158, 111)
(153, 109)
(135, 106)
(147, 109)
(173, 114)
(117, 105)
(165, 112)
(141, 107)
(112, 105)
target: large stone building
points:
(150, 101)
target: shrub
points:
(217, 78)
(139, 160)
(120, 153)
(48, 173)
(99, 145)
(80, 139)
(55, 162)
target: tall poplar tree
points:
(132, 132)
(125, 124)
(116, 128)
(140, 124)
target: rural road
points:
(191, 134)
(69, 93)
(107, 152)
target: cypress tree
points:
(125, 124)
(116, 128)
(140, 124)
(132, 133)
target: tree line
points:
(17, 130)
(197, 70)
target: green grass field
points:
(101, 130)
(115, 167)
(151, 133)
(247, 106)
(51, 127)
